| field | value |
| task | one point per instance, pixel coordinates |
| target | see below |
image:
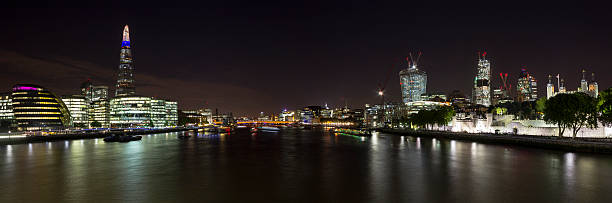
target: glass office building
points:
(526, 87)
(78, 107)
(130, 111)
(482, 82)
(413, 83)
(139, 111)
(99, 114)
(35, 108)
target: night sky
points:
(248, 57)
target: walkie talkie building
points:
(413, 83)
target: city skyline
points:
(353, 77)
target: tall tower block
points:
(550, 88)
(482, 82)
(125, 78)
(413, 82)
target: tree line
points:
(429, 118)
(578, 110)
(573, 112)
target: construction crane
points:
(412, 62)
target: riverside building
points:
(78, 106)
(140, 111)
(36, 108)
(7, 117)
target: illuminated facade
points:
(171, 114)
(593, 87)
(287, 115)
(6, 107)
(584, 85)
(139, 111)
(164, 113)
(99, 112)
(550, 88)
(94, 92)
(35, 108)
(526, 88)
(481, 94)
(78, 107)
(7, 117)
(130, 111)
(199, 117)
(125, 78)
(413, 83)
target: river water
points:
(298, 165)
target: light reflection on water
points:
(306, 165)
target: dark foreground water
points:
(306, 166)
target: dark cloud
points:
(247, 57)
(63, 76)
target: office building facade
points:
(36, 108)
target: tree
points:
(573, 111)
(604, 106)
(429, 118)
(96, 124)
(540, 105)
(443, 115)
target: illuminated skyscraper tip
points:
(126, 37)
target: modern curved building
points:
(35, 108)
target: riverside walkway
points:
(22, 138)
(593, 145)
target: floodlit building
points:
(526, 87)
(94, 92)
(36, 108)
(164, 113)
(415, 107)
(171, 114)
(372, 116)
(593, 87)
(125, 80)
(550, 88)
(78, 107)
(413, 82)
(139, 111)
(130, 111)
(589, 87)
(584, 85)
(197, 117)
(7, 117)
(286, 115)
(481, 94)
(99, 113)
(310, 114)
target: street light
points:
(382, 95)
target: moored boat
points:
(268, 128)
(350, 131)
